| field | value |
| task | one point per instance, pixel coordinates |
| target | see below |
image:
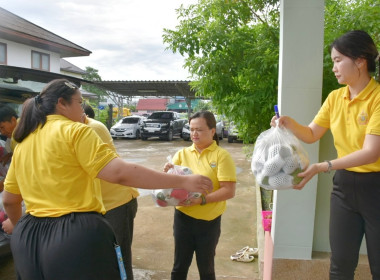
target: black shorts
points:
(73, 246)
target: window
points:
(3, 53)
(40, 61)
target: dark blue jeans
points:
(355, 212)
(122, 220)
(193, 235)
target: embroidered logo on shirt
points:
(213, 164)
(363, 118)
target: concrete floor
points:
(153, 242)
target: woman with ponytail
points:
(64, 234)
(352, 113)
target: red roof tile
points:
(157, 104)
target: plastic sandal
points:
(242, 257)
(247, 249)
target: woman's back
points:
(54, 168)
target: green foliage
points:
(92, 75)
(232, 50)
(342, 16)
(202, 106)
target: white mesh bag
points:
(277, 158)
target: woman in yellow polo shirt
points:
(63, 234)
(353, 115)
(197, 222)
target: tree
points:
(232, 50)
(342, 16)
(92, 75)
(202, 106)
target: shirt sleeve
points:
(226, 168)
(92, 154)
(323, 116)
(373, 126)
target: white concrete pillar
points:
(299, 96)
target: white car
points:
(219, 130)
(128, 127)
(219, 127)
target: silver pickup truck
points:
(163, 124)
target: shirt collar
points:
(56, 117)
(211, 148)
(363, 95)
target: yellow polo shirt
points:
(114, 195)
(215, 163)
(350, 120)
(55, 166)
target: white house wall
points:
(20, 55)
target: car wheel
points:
(144, 138)
(170, 135)
(230, 139)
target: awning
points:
(18, 84)
(26, 74)
(148, 88)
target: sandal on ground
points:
(247, 249)
(244, 257)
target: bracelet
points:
(329, 166)
(203, 200)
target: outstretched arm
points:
(129, 174)
(308, 134)
(369, 153)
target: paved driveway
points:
(153, 242)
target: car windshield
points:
(160, 115)
(130, 120)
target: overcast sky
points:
(124, 36)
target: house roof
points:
(69, 67)
(17, 29)
(156, 104)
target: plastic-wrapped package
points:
(277, 158)
(172, 197)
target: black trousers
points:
(122, 220)
(355, 212)
(199, 236)
(73, 246)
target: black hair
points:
(89, 111)
(357, 44)
(6, 113)
(210, 121)
(36, 109)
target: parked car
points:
(163, 124)
(186, 132)
(233, 133)
(128, 127)
(219, 129)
